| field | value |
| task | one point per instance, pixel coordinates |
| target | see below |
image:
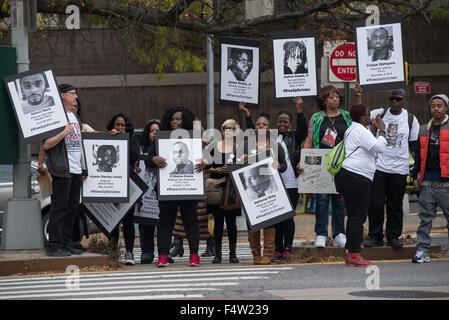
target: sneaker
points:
(355, 260)
(146, 258)
(58, 252)
(340, 240)
(286, 253)
(277, 257)
(395, 243)
(320, 241)
(129, 258)
(421, 257)
(373, 242)
(194, 260)
(73, 250)
(162, 261)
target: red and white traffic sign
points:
(342, 63)
(422, 87)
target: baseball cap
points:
(442, 97)
(397, 92)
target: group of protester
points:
(373, 174)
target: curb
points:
(380, 253)
(25, 261)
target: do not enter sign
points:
(342, 63)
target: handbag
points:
(230, 200)
(214, 190)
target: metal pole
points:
(210, 83)
(22, 225)
(347, 97)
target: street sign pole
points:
(22, 221)
(347, 97)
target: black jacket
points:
(293, 139)
(57, 160)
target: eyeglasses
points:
(228, 128)
(396, 99)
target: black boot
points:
(217, 258)
(178, 248)
(232, 253)
(210, 250)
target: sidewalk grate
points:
(400, 294)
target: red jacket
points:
(424, 134)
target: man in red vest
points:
(431, 172)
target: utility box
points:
(9, 131)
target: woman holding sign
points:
(263, 144)
(176, 118)
(356, 175)
(326, 130)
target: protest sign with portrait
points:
(107, 216)
(262, 193)
(146, 210)
(37, 103)
(294, 64)
(239, 72)
(315, 178)
(108, 167)
(380, 60)
(179, 180)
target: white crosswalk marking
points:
(151, 284)
(243, 252)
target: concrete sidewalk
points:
(25, 261)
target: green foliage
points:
(440, 14)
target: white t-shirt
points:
(73, 146)
(363, 160)
(288, 176)
(395, 159)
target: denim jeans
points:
(322, 214)
(147, 241)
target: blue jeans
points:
(322, 214)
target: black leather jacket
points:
(293, 139)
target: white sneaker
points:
(320, 241)
(421, 257)
(129, 259)
(340, 240)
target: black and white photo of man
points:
(380, 44)
(107, 158)
(240, 63)
(295, 57)
(258, 182)
(180, 156)
(33, 91)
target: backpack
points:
(335, 158)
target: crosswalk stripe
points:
(103, 292)
(155, 297)
(142, 277)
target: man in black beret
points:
(65, 162)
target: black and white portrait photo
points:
(240, 62)
(295, 57)
(380, 43)
(181, 158)
(106, 156)
(294, 65)
(262, 193)
(37, 103)
(380, 61)
(107, 216)
(34, 92)
(179, 180)
(239, 71)
(107, 166)
(258, 182)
